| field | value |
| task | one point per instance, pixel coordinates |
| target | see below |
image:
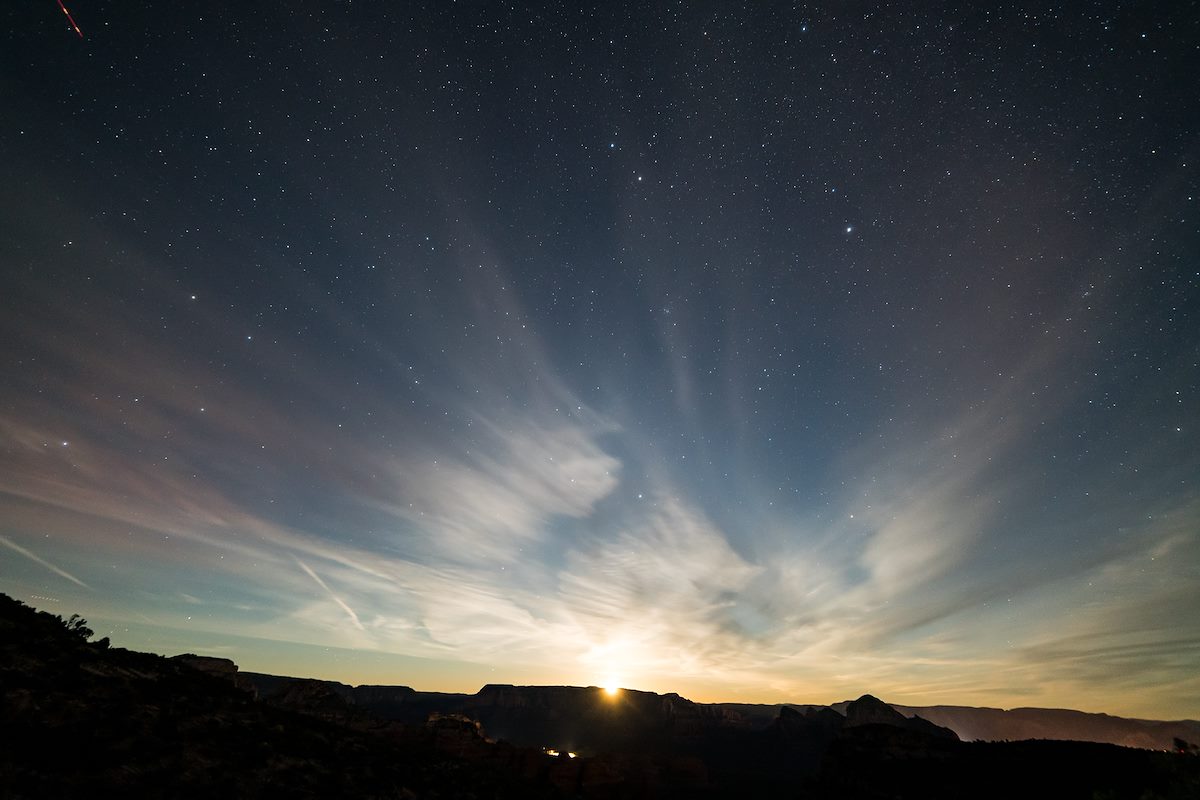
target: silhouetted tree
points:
(78, 626)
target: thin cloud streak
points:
(341, 603)
(39, 560)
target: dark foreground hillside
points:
(84, 720)
(81, 719)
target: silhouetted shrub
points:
(78, 626)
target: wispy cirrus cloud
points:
(499, 496)
(488, 516)
(656, 596)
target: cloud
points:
(658, 596)
(480, 515)
(489, 503)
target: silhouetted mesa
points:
(82, 719)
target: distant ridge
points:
(969, 723)
(84, 719)
(995, 724)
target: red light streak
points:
(70, 19)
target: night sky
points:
(756, 352)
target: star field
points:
(751, 351)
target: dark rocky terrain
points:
(512, 712)
(997, 725)
(994, 724)
(82, 719)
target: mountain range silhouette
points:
(84, 719)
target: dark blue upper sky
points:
(770, 352)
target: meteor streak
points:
(70, 19)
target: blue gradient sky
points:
(751, 354)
